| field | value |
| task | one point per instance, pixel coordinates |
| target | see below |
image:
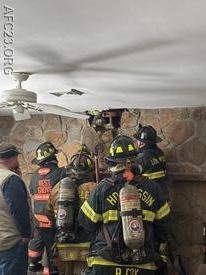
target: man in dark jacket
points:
(100, 214)
(15, 228)
(151, 160)
(43, 180)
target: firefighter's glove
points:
(163, 251)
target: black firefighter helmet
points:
(147, 134)
(121, 150)
(44, 152)
(81, 163)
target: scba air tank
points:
(131, 215)
(66, 208)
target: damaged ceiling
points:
(120, 54)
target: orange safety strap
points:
(44, 171)
(43, 221)
(45, 225)
(42, 218)
(41, 197)
(34, 254)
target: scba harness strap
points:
(134, 213)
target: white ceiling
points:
(133, 53)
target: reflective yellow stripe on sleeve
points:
(154, 175)
(110, 216)
(96, 260)
(148, 215)
(163, 211)
(90, 213)
(73, 245)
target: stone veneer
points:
(184, 144)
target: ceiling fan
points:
(23, 101)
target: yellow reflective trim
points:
(94, 113)
(89, 162)
(39, 158)
(111, 151)
(113, 215)
(73, 245)
(96, 260)
(110, 216)
(119, 150)
(90, 213)
(39, 155)
(154, 175)
(44, 155)
(148, 215)
(130, 147)
(163, 211)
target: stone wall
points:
(184, 133)
(65, 133)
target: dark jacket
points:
(102, 207)
(42, 182)
(15, 194)
(151, 161)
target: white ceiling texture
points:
(121, 53)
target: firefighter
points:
(100, 215)
(80, 171)
(42, 182)
(65, 200)
(151, 159)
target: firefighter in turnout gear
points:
(151, 164)
(151, 160)
(42, 182)
(81, 172)
(66, 199)
(104, 215)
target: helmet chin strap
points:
(118, 168)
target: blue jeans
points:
(14, 261)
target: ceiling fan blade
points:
(119, 71)
(125, 50)
(21, 116)
(61, 111)
(46, 55)
(56, 64)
